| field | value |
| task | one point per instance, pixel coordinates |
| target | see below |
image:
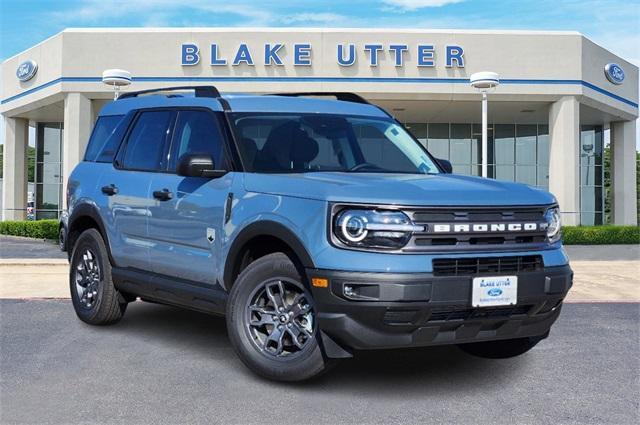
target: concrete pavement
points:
(593, 280)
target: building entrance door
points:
(48, 170)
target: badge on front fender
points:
(211, 234)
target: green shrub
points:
(601, 235)
(39, 229)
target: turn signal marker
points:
(320, 282)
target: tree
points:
(31, 162)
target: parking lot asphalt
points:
(165, 365)
(17, 247)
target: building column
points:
(623, 172)
(78, 122)
(564, 159)
(14, 169)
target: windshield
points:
(298, 143)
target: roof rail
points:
(344, 96)
(200, 91)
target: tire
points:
(102, 305)
(254, 334)
(503, 349)
(62, 239)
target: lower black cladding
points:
(441, 313)
(170, 290)
(465, 313)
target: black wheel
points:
(501, 349)
(62, 239)
(95, 299)
(271, 321)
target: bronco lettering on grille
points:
(486, 227)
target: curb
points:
(33, 262)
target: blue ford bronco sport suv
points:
(318, 227)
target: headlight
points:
(373, 228)
(552, 217)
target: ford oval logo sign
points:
(27, 70)
(614, 73)
(494, 292)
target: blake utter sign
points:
(301, 54)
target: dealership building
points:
(559, 93)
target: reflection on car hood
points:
(398, 189)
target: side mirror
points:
(446, 165)
(198, 165)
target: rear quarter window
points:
(105, 139)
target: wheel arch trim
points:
(91, 211)
(263, 228)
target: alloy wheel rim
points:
(280, 318)
(87, 279)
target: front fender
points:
(300, 223)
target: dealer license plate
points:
(494, 291)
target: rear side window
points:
(146, 143)
(195, 132)
(104, 139)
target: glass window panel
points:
(47, 215)
(505, 172)
(198, 132)
(591, 219)
(599, 219)
(591, 175)
(587, 146)
(526, 174)
(462, 169)
(591, 199)
(476, 150)
(438, 140)
(103, 130)
(543, 176)
(48, 142)
(145, 145)
(460, 143)
(418, 130)
(48, 196)
(504, 136)
(438, 131)
(543, 144)
(439, 148)
(49, 173)
(587, 218)
(476, 170)
(476, 146)
(591, 144)
(526, 144)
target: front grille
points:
(486, 265)
(431, 240)
(477, 313)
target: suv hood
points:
(398, 189)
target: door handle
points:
(163, 195)
(110, 190)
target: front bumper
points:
(420, 309)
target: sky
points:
(614, 24)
